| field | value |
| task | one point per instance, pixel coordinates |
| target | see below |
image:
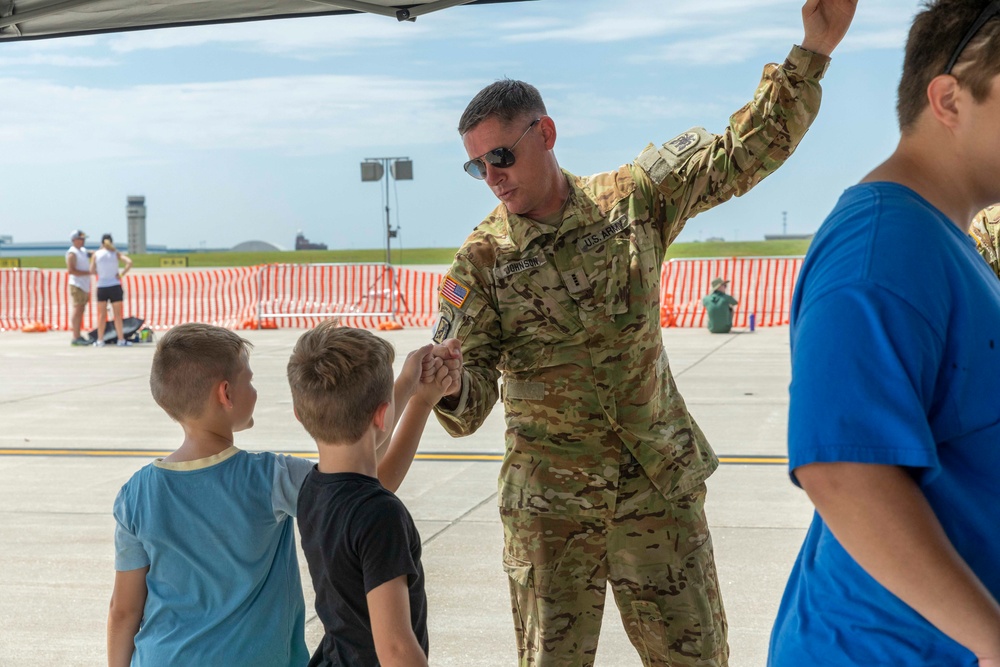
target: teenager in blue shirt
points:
(894, 420)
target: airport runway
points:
(75, 423)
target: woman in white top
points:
(104, 264)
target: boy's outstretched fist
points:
(420, 364)
(450, 355)
(439, 379)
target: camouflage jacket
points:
(986, 232)
(570, 314)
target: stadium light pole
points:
(374, 169)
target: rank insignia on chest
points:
(454, 292)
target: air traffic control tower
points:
(136, 211)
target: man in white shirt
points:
(78, 267)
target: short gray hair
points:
(506, 99)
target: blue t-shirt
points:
(223, 582)
(895, 337)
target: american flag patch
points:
(454, 292)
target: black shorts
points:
(114, 294)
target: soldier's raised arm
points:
(826, 22)
(698, 170)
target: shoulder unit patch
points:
(442, 328)
(659, 162)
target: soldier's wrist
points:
(807, 63)
(449, 403)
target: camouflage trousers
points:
(656, 554)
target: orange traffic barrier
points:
(254, 323)
(35, 327)
(389, 325)
(668, 316)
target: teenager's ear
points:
(379, 418)
(942, 99)
(296, 415)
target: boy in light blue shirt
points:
(206, 569)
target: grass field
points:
(420, 255)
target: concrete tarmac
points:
(72, 420)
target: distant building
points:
(302, 243)
(715, 239)
(136, 212)
(255, 246)
(56, 248)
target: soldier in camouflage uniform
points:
(559, 289)
(986, 232)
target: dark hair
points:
(507, 100)
(934, 35)
(339, 377)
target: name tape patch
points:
(596, 238)
(509, 269)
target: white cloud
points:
(581, 114)
(634, 20)
(723, 48)
(307, 38)
(76, 52)
(711, 31)
(301, 115)
(54, 60)
(48, 122)
(707, 23)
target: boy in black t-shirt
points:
(361, 544)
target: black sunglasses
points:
(498, 157)
(992, 10)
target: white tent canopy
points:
(40, 19)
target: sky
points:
(256, 131)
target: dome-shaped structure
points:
(255, 246)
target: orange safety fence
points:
(224, 297)
(272, 295)
(28, 296)
(762, 285)
(363, 295)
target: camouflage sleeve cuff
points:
(463, 397)
(806, 64)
